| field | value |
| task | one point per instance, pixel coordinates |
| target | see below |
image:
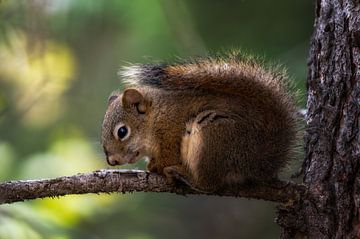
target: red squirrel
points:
(212, 121)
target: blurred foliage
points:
(58, 65)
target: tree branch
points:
(108, 181)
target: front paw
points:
(176, 180)
(172, 174)
(152, 166)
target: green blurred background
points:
(58, 64)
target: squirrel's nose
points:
(112, 161)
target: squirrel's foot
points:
(175, 177)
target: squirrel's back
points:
(236, 75)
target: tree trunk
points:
(332, 138)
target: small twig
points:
(124, 181)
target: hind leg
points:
(209, 151)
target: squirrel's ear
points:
(134, 97)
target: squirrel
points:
(210, 121)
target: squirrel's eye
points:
(121, 132)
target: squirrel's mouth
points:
(134, 158)
(116, 159)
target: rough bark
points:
(332, 137)
(108, 181)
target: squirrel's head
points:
(123, 125)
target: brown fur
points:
(213, 122)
